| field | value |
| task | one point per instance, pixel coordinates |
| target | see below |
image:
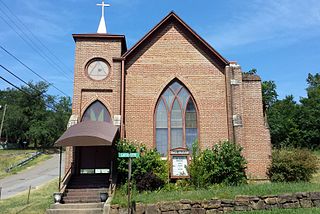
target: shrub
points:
(122, 163)
(221, 164)
(148, 182)
(149, 165)
(292, 165)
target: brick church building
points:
(170, 89)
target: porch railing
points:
(63, 183)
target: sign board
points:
(179, 166)
(116, 120)
(180, 152)
(128, 155)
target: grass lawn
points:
(40, 200)
(223, 192)
(227, 192)
(11, 157)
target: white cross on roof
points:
(102, 25)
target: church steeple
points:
(102, 25)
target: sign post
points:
(129, 155)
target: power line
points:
(13, 85)
(38, 75)
(28, 84)
(14, 75)
(30, 42)
(34, 36)
(25, 92)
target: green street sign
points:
(129, 155)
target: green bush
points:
(148, 182)
(221, 164)
(292, 165)
(149, 162)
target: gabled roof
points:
(170, 18)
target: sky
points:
(280, 38)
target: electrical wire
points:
(25, 92)
(34, 36)
(28, 84)
(29, 41)
(34, 72)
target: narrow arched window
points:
(96, 112)
(176, 119)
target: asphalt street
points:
(35, 176)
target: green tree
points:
(269, 94)
(34, 116)
(283, 123)
(309, 117)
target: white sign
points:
(116, 120)
(179, 166)
(180, 152)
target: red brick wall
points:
(169, 55)
(85, 51)
(83, 92)
(257, 136)
(172, 55)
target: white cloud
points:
(283, 21)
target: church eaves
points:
(172, 17)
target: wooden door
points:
(94, 159)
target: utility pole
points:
(4, 113)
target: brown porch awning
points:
(88, 133)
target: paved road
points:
(35, 176)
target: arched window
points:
(96, 112)
(176, 119)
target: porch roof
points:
(89, 133)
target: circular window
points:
(98, 69)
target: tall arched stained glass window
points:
(162, 129)
(176, 119)
(191, 124)
(96, 112)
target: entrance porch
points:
(91, 170)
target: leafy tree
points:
(269, 94)
(252, 71)
(282, 118)
(34, 116)
(309, 117)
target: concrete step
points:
(75, 211)
(77, 194)
(77, 206)
(81, 200)
(89, 179)
(87, 190)
(86, 186)
(84, 182)
(83, 197)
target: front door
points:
(94, 159)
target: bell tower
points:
(97, 73)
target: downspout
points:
(122, 101)
(232, 103)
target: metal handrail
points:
(66, 178)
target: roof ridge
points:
(166, 18)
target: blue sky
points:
(281, 39)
